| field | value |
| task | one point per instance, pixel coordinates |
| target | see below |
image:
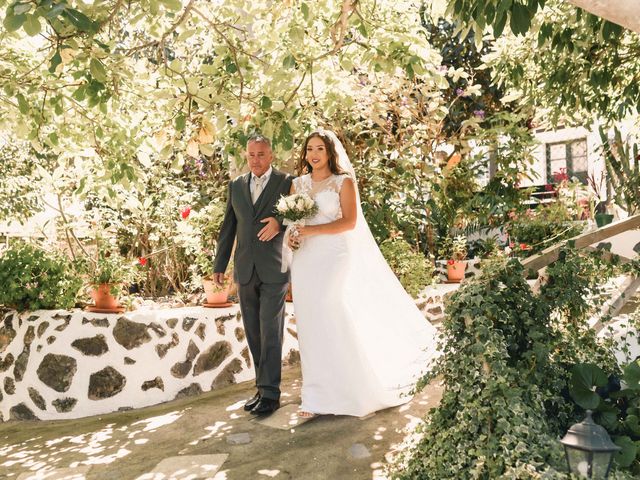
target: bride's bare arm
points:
(349, 214)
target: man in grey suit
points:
(261, 285)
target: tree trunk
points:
(625, 13)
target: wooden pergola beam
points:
(625, 13)
(550, 254)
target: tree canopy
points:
(574, 64)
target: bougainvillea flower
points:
(184, 213)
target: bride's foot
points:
(303, 414)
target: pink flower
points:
(142, 261)
(184, 213)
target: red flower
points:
(142, 261)
(450, 262)
(184, 213)
(524, 246)
(549, 188)
(560, 176)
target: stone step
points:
(191, 467)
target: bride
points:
(363, 342)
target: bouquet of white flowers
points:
(296, 208)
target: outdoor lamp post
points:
(589, 449)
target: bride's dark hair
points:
(305, 167)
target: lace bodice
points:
(326, 193)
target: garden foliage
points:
(506, 368)
(33, 278)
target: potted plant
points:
(601, 215)
(216, 295)
(107, 275)
(456, 264)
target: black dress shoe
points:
(266, 406)
(252, 402)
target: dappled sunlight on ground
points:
(103, 446)
(213, 430)
(211, 436)
(269, 473)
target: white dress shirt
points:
(253, 184)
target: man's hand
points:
(218, 278)
(270, 230)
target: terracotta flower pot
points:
(455, 270)
(101, 295)
(215, 294)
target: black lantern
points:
(589, 449)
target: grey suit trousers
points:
(262, 306)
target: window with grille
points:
(568, 157)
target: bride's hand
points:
(293, 242)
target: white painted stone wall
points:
(170, 352)
(185, 334)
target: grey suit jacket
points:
(242, 220)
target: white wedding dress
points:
(363, 342)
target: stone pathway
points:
(211, 437)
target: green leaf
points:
(520, 19)
(80, 20)
(289, 61)
(631, 375)
(53, 138)
(409, 69)
(363, 30)
(627, 455)
(20, 8)
(172, 4)
(55, 11)
(265, 103)
(611, 31)
(504, 6)
(181, 122)
(305, 10)
(32, 25)
(13, 22)
(632, 422)
(231, 67)
(584, 377)
(97, 70)
(80, 93)
(23, 106)
(501, 21)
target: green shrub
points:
(505, 367)
(32, 279)
(538, 229)
(412, 268)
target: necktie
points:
(257, 188)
